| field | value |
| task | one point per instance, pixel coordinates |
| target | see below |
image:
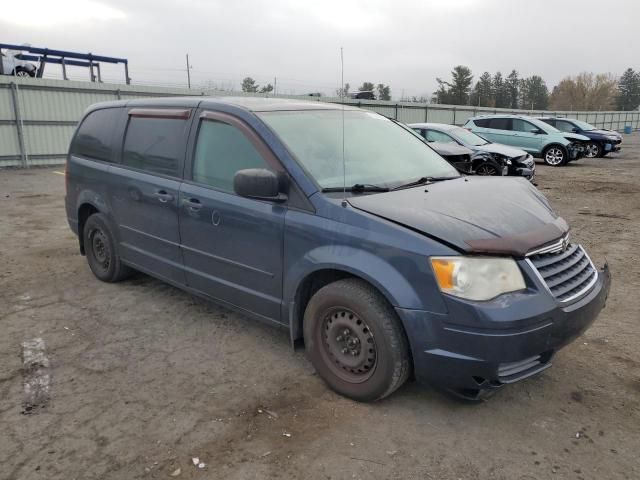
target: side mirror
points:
(575, 130)
(258, 183)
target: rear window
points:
(94, 139)
(155, 145)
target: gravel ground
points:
(144, 377)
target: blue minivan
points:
(339, 225)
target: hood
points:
(491, 215)
(573, 136)
(449, 148)
(500, 149)
(603, 132)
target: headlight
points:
(477, 278)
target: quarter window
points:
(222, 150)
(95, 135)
(155, 145)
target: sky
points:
(404, 43)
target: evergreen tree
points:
(512, 86)
(500, 92)
(482, 95)
(455, 92)
(629, 90)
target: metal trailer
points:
(65, 58)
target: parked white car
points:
(14, 66)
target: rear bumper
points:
(481, 346)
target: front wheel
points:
(487, 169)
(555, 156)
(593, 150)
(355, 341)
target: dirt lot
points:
(144, 377)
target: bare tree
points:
(586, 91)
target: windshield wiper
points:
(358, 188)
(422, 181)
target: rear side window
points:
(155, 145)
(520, 125)
(500, 123)
(222, 150)
(482, 122)
(94, 139)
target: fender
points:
(397, 289)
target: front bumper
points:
(478, 347)
(576, 151)
(526, 168)
(612, 146)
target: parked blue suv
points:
(601, 142)
(368, 247)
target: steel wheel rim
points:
(591, 151)
(100, 249)
(486, 170)
(554, 156)
(347, 345)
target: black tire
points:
(352, 305)
(487, 169)
(101, 250)
(593, 150)
(23, 72)
(555, 156)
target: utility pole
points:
(188, 73)
(275, 85)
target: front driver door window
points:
(232, 245)
(527, 135)
(435, 136)
(564, 126)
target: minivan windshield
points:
(377, 151)
(467, 137)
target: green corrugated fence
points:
(38, 116)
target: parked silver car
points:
(14, 66)
(517, 161)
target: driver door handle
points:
(192, 204)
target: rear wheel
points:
(555, 156)
(101, 250)
(593, 150)
(354, 339)
(21, 72)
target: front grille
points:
(568, 274)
